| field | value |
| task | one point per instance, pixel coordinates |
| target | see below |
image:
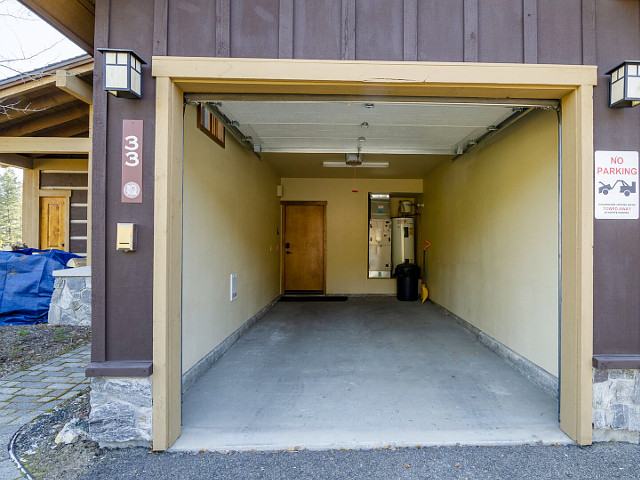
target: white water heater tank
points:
(402, 241)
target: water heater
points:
(402, 241)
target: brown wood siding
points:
(183, 15)
(441, 30)
(616, 254)
(558, 20)
(500, 35)
(314, 19)
(78, 230)
(128, 276)
(63, 180)
(254, 28)
(544, 31)
(79, 196)
(379, 30)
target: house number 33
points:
(131, 144)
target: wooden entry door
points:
(53, 214)
(304, 246)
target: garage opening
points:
(481, 178)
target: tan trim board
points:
(572, 84)
(424, 73)
(577, 265)
(45, 145)
(167, 279)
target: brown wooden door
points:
(304, 247)
(53, 212)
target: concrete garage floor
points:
(369, 372)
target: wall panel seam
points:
(470, 30)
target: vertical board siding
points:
(316, 29)
(530, 30)
(470, 30)
(348, 33)
(285, 33)
(500, 31)
(222, 25)
(616, 252)
(559, 32)
(254, 28)
(410, 30)
(182, 16)
(379, 30)
(98, 171)
(129, 289)
(441, 30)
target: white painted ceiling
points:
(413, 136)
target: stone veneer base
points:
(121, 411)
(616, 405)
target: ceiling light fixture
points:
(361, 165)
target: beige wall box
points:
(126, 237)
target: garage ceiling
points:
(414, 135)
(382, 127)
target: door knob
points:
(289, 253)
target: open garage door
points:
(243, 192)
(482, 179)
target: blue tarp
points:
(26, 284)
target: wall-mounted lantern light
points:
(624, 88)
(122, 72)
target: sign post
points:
(616, 185)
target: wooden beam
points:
(45, 79)
(74, 86)
(75, 128)
(75, 19)
(25, 107)
(45, 145)
(14, 160)
(47, 121)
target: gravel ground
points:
(46, 460)
(604, 461)
(83, 460)
(22, 346)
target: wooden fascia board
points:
(75, 19)
(45, 145)
(46, 80)
(74, 86)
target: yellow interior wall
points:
(231, 216)
(348, 227)
(492, 220)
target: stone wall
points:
(71, 299)
(616, 405)
(121, 411)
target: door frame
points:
(283, 205)
(571, 84)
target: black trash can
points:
(408, 275)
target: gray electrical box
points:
(379, 248)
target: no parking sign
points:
(616, 185)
